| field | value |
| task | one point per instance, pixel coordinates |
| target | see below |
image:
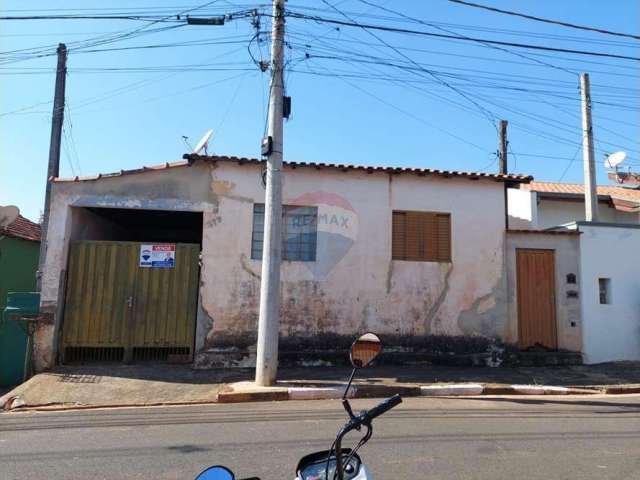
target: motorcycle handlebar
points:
(368, 415)
(382, 407)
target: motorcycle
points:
(329, 464)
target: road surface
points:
(501, 438)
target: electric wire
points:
(546, 20)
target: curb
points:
(279, 394)
(378, 391)
(621, 389)
(454, 390)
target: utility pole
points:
(503, 147)
(53, 169)
(590, 186)
(269, 317)
(504, 168)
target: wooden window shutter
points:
(398, 236)
(442, 229)
(414, 238)
(421, 236)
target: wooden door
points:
(536, 298)
(116, 310)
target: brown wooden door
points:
(536, 298)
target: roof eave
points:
(509, 179)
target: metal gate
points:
(536, 298)
(116, 310)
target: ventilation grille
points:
(171, 354)
(93, 354)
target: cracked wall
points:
(362, 288)
(353, 285)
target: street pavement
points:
(593, 437)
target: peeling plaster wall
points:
(567, 261)
(182, 189)
(352, 286)
(358, 288)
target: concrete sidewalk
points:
(140, 385)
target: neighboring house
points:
(543, 205)
(19, 251)
(164, 262)
(608, 256)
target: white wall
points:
(552, 213)
(523, 211)
(610, 332)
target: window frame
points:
(604, 291)
(423, 240)
(304, 251)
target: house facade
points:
(608, 253)
(407, 253)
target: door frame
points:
(554, 323)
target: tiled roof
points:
(162, 166)
(612, 191)
(368, 169)
(190, 158)
(22, 228)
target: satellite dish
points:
(615, 159)
(8, 215)
(203, 143)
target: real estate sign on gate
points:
(158, 256)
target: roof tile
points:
(22, 228)
(190, 158)
(612, 191)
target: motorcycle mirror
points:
(365, 349)
(216, 473)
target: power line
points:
(546, 20)
(458, 37)
(484, 111)
(573, 159)
(486, 44)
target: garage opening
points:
(123, 224)
(132, 285)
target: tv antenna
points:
(203, 144)
(8, 215)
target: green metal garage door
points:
(117, 310)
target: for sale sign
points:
(158, 256)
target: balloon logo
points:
(337, 229)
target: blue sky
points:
(365, 104)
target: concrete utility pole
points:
(590, 185)
(53, 170)
(269, 319)
(504, 169)
(503, 147)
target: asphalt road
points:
(518, 438)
